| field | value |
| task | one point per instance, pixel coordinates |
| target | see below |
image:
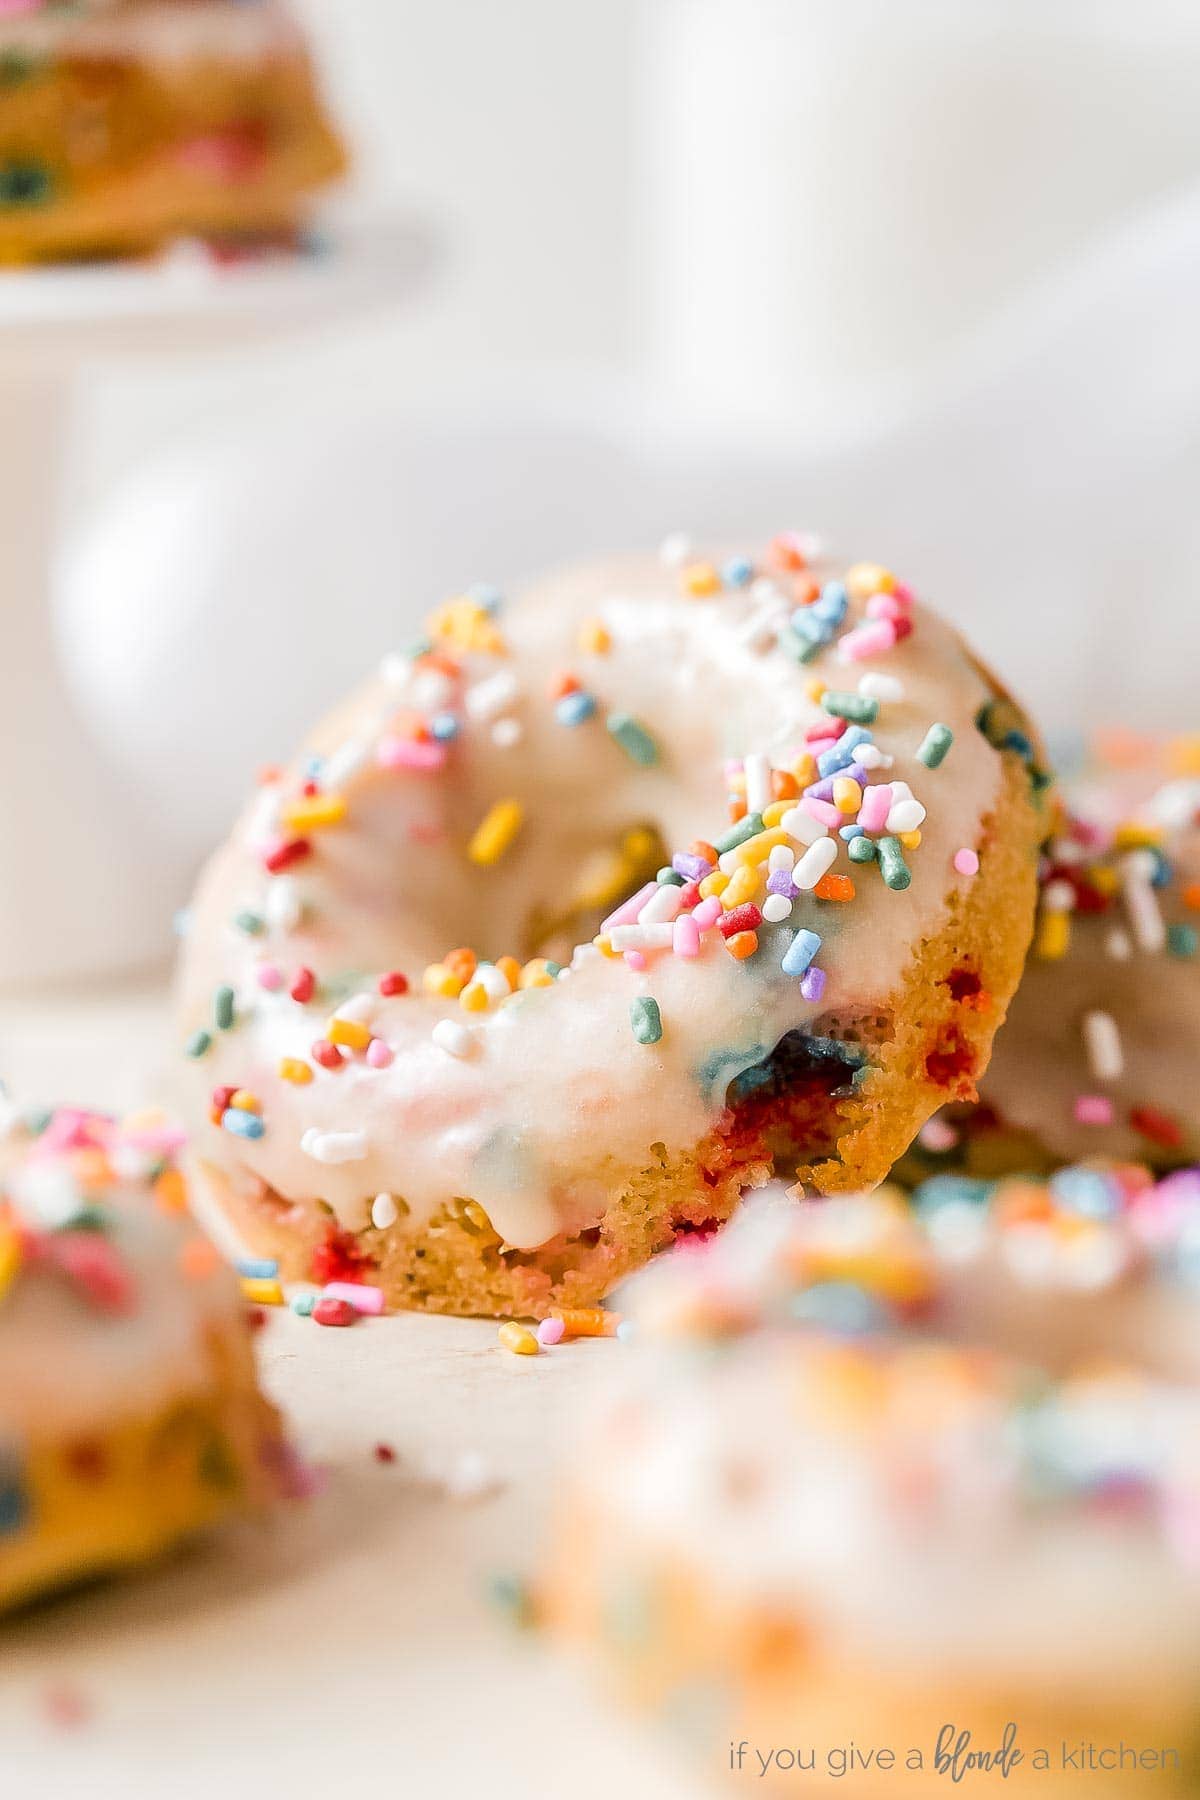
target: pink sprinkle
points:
(966, 862)
(876, 805)
(868, 640)
(357, 1294)
(823, 729)
(551, 1331)
(270, 976)
(379, 1054)
(885, 606)
(819, 746)
(686, 939)
(635, 960)
(823, 813)
(1094, 1109)
(410, 753)
(904, 594)
(707, 913)
(626, 914)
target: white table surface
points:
(349, 1642)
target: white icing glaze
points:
(555, 1089)
(67, 1364)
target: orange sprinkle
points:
(806, 589)
(594, 638)
(170, 1191)
(785, 553)
(1191, 895)
(700, 579)
(586, 1321)
(834, 887)
(784, 786)
(563, 683)
(198, 1258)
(461, 964)
(242, 1100)
(742, 944)
(699, 847)
(737, 810)
(510, 968)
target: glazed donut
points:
(888, 1537)
(130, 1415)
(1101, 1053)
(124, 126)
(672, 1002)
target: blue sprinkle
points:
(487, 595)
(574, 708)
(800, 952)
(302, 1304)
(738, 572)
(14, 1503)
(313, 766)
(832, 604)
(242, 1124)
(1086, 1191)
(951, 1190)
(626, 1330)
(444, 726)
(838, 1306)
(850, 831)
(815, 630)
(257, 1268)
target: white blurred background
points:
(922, 276)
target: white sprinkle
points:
(1117, 945)
(262, 827)
(872, 757)
(283, 907)
(334, 1146)
(765, 593)
(47, 1193)
(1058, 897)
(641, 937)
(489, 698)
(662, 906)
(431, 690)
(506, 733)
(453, 1038)
(384, 1211)
(776, 908)
(937, 1134)
(1177, 805)
(395, 669)
(905, 815)
(1102, 1041)
(675, 549)
(494, 983)
(758, 782)
(878, 686)
(817, 860)
(802, 826)
(781, 858)
(360, 1007)
(344, 762)
(900, 790)
(759, 631)
(1141, 903)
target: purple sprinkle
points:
(856, 772)
(820, 790)
(692, 868)
(812, 983)
(779, 881)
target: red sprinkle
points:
(292, 850)
(334, 1312)
(739, 918)
(338, 1259)
(393, 983)
(304, 986)
(384, 1453)
(93, 1265)
(1158, 1126)
(328, 1055)
(221, 1096)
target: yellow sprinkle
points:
(517, 1338)
(310, 815)
(438, 979)
(603, 945)
(805, 771)
(716, 883)
(1183, 754)
(496, 832)
(743, 885)
(292, 1069)
(700, 579)
(865, 579)
(773, 813)
(847, 795)
(757, 848)
(474, 997)
(1053, 936)
(244, 1101)
(467, 625)
(536, 974)
(262, 1290)
(10, 1258)
(1104, 879)
(170, 1191)
(911, 840)
(351, 1033)
(737, 783)
(1136, 837)
(594, 638)
(814, 689)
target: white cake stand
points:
(72, 859)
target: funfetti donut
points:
(1100, 1057)
(130, 1415)
(793, 1523)
(592, 909)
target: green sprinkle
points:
(862, 849)
(891, 861)
(935, 745)
(36, 1119)
(512, 1598)
(633, 738)
(199, 1044)
(860, 709)
(646, 1020)
(553, 968)
(302, 1304)
(1182, 940)
(669, 877)
(804, 650)
(24, 183)
(745, 828)
(223, 1008)
(251, 923)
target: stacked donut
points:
(130, 1415)
(738, 855)
(890, 1476)
(126, 123)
